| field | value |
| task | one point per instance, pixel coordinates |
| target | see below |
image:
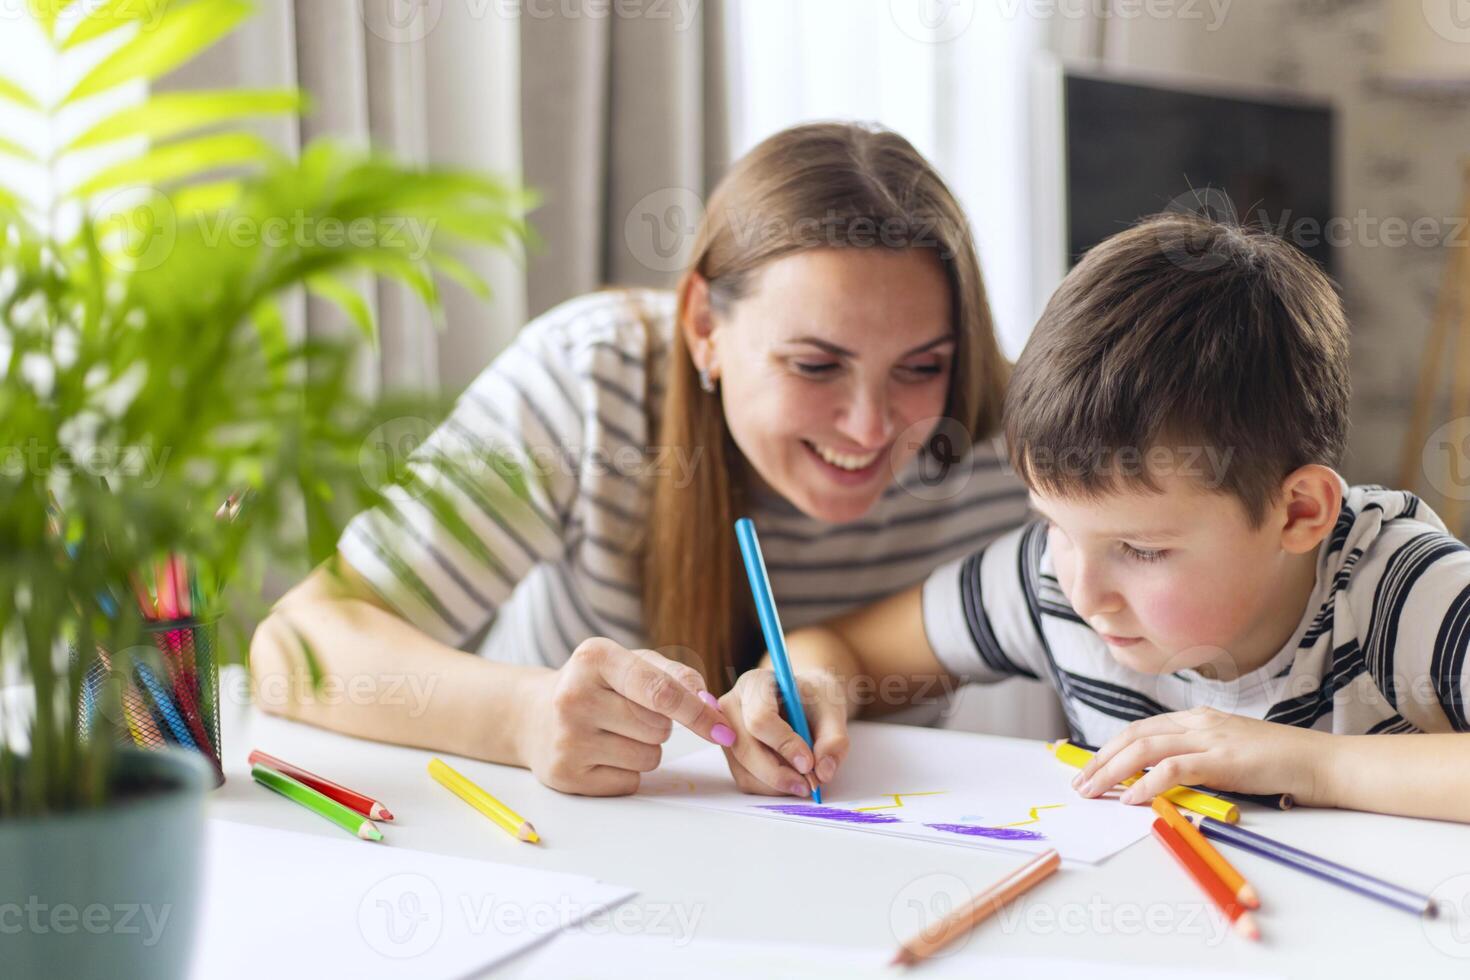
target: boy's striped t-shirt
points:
(555, 463)
(1380, 647)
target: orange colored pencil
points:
(972, 913)
(1209, 882)
(1232, 879)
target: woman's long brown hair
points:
(819, 185)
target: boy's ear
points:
(698, 323)
(1312, 498)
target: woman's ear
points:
(1312, 497)
(698, 323)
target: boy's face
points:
(1172, 580)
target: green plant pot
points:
(111, 892)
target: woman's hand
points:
(1208, 747)
(600, 720)
(768, 756)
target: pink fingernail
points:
(1131, 796)
(826, 769)
(709, 699)
(723, 735)
(796, 788)
(803, 764)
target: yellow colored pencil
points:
(1189, 799)
(513, 823)
(1214, 860)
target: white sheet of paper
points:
(279, 903)
(576, 955)
(934, 785)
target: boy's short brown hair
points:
(1182, 334)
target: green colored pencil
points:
(349, 820)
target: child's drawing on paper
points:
(932, 786)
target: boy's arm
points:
(879, 654)
(1422, 775)
(968, 621)
(1410, 775)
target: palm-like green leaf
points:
(179, 35)
(13, 149)
(11, 92)
(348, 300)
(455, 270)
(161, 300)
(177, 161)
(171, 114)
(45, 12)
(108, 16)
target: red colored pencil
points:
(163, 581)
(1209, 882)
(365, 805)
(180, 578)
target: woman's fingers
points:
(614, 713)
(762, 715)
(748, 783)
(827, 712)
(620, 752)
(636, 678)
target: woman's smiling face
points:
(825, 362)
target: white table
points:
(709, 875)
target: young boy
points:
(1205, 594)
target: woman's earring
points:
(705, 381)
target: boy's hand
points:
(1208, 747)
(768, 756)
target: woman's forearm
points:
(383, 679)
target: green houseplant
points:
(149, 373)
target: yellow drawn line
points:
(1033, 816)
(898, 800)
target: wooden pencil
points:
(1232, 878)
(931, 940)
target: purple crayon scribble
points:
(994, 833)
(829, 813)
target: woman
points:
(825, 367)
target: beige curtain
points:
(596, 112)
(625, 126)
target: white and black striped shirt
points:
(1381, 645)
(570, 404)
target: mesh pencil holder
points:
(175, 705)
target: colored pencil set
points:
(172, 700)
(1188, 841)
(356, 812)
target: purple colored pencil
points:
(1317, 867)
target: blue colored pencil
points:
(765, 608)
(173, 721)
(1318, 867)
